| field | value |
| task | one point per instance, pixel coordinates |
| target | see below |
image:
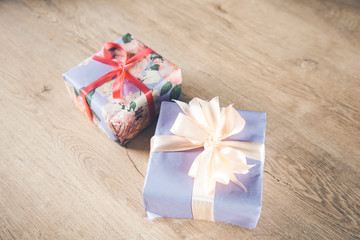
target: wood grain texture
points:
(299, 61)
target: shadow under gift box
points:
(168, 188)
(122, 122)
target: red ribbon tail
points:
(118, 86)
(87, 107)
(92, 86)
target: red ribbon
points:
(121, 72)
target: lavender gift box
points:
(123, 121)
(168, 188)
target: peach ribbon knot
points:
(206, 125)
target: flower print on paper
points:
(170, 72)
(75, 97)
(120, 121)
(124, 122)
(157, 60)
(138, 98)
(131, 45)
(70, 90)
(124, 119)
(127, 120)
(120, 55)
(78, 101)
(135, 97)
(156, 95)
(151, 77)
(139, 67)
(105, 89)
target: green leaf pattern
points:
(175, 92)
(165, 88)
(76, 92)
(132, 106)
(153, 57)
(89, 97)
(155, 67)
(127, 38)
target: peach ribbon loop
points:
(206, 125)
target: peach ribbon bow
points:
(205, 125)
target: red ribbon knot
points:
(121, 73)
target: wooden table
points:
(299, 61)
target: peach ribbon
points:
(205, 125)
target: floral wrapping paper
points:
(123, 121)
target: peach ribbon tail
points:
(205, 125)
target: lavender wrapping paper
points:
(168, 188)
(121, 123)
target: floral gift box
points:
(121, 87)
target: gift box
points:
(172, 189)
(121, 87)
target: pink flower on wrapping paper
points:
(120, 54)
(141, 124)
(139, 67)
(170, 72)
(123, 123)
(80, 104)
(157, 61)
(133, 47)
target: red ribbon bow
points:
(121, 72)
